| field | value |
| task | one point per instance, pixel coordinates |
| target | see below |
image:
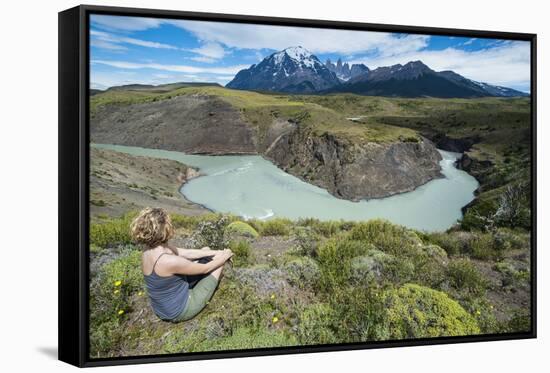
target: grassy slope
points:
(261, 109)
(311, 282)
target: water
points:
(253, 187)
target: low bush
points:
(335, 258)
(275, 227)
(241, 229)
(242, 253)
(239, 339)
(414, 311)
(385, 236)
(464, 276)
(315, 325)
(111, 232)
(308, 241)
(303, 272)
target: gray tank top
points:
(168, 294)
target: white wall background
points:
(28, 185)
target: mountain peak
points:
(293, 69)
(298, 53)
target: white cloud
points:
(125, 23)
(115, 39)
(97, 43)
(223, 70)
(203, 59)
(249, 36)
(211, 50)
(507, 64)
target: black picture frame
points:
(73, 165)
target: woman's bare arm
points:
(183, 266)
(193, 254)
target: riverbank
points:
(120, 182)
(252, 187)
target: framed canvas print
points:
(234, 186)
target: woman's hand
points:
(224, 254)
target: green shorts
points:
(199, 296)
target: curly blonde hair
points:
(152, 227)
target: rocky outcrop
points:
(194, 124)
(475, 167)
(356, 171)
(451, 144)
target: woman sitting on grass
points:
(180, 282)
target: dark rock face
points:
(293, 70)
(450, 144)
(191, 124)
(475, 167)
(356, 171)
(344, 72)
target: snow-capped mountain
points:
(293, 70)
(344, 72)
(296, 70)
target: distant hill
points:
(296, 70)
(160, 87)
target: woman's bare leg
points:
(217, 273)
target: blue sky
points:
(127, 50)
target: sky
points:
(130, 50)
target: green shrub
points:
(484, 248)
(308, 241)
(239, 339)
(464, 276)
(335, 258)
(514, 272)
(242, 229)
(519, 323)
(358, 314)
(111, 231)
(275, 227)
(454, 243)
(414, 311)
(385, 236)
(302, 272)
(110, 294)
(315, 325)
(242, 252)
(370, 266)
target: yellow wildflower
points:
(140, 293)
(275, 319)
(118, 283)
(478, 312)
(117, 291)
(120, 312)
(272, 296)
